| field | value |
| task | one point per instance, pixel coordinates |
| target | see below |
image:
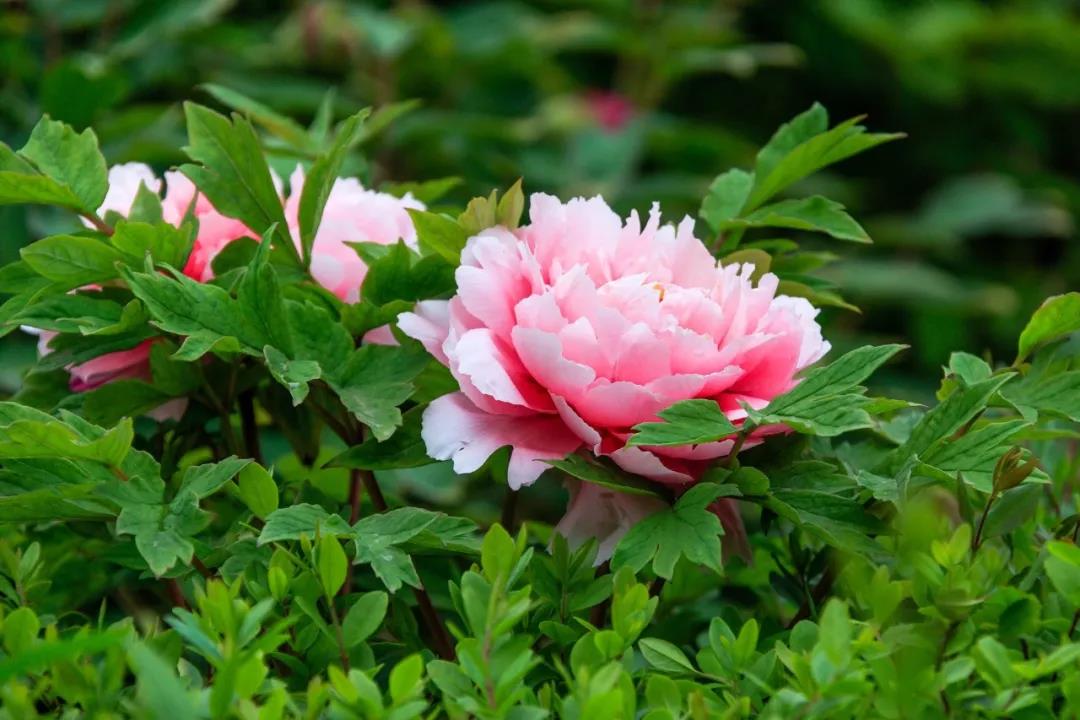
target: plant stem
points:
(734, 453)
(977, 540)
(371, 486)
(342, 652)
(817, 595)
(176, 595)
(354, 515)
(444, 644)
(100, 225)
(509, 510)
(250, 426)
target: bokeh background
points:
(973, 215)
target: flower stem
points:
(250, 426)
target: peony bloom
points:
(215, 231)
(352, 214)
(569, 331)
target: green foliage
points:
(282, 546)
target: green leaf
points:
(404, 449)
(783, 165)
(72, 160)
(1056, 317)
(364, 617)
(828, 401)
(945, 419)
(113, 401)
(281, 125)
(159, 691)
(1055, 394)
(439, 234)
(790, 135)
(969, 368)
(400, 274)
(290, 523)
(50, 437)
(331, 564)
(71, 313)
(602, 471)
(975, 454)
(375, 381)
(293, 374)
(45, 654)
(206, 313)
(814, 213)
(726, 197)
(233, 173)
(376, 537)
(205, 480)
(1063, 569)
(261, 304)
(689, 529)
(665, 656)
(163, 242)
(258, 490)
(73, 260)
(320, 180)
(839, 521)
(688, 422)
(511, 206)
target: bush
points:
(220, 498)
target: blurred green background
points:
(973, 215)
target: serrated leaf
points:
(688, 422)
(375, 381)
(233, 174)
(289, 523)
(945, 419)
(293, 374)
(72, 160)
(688, 529)
(73, 260)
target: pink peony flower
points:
(215, 231)
(571, 330)
(352, 214)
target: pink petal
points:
(595, 511)
(429, 322)
(454, 428)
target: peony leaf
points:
(688, 422)
(233, 174)
(814, 213)
(73, 260)
(688, 529)
(320, 181)
(1056, 317)
(74, 170)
